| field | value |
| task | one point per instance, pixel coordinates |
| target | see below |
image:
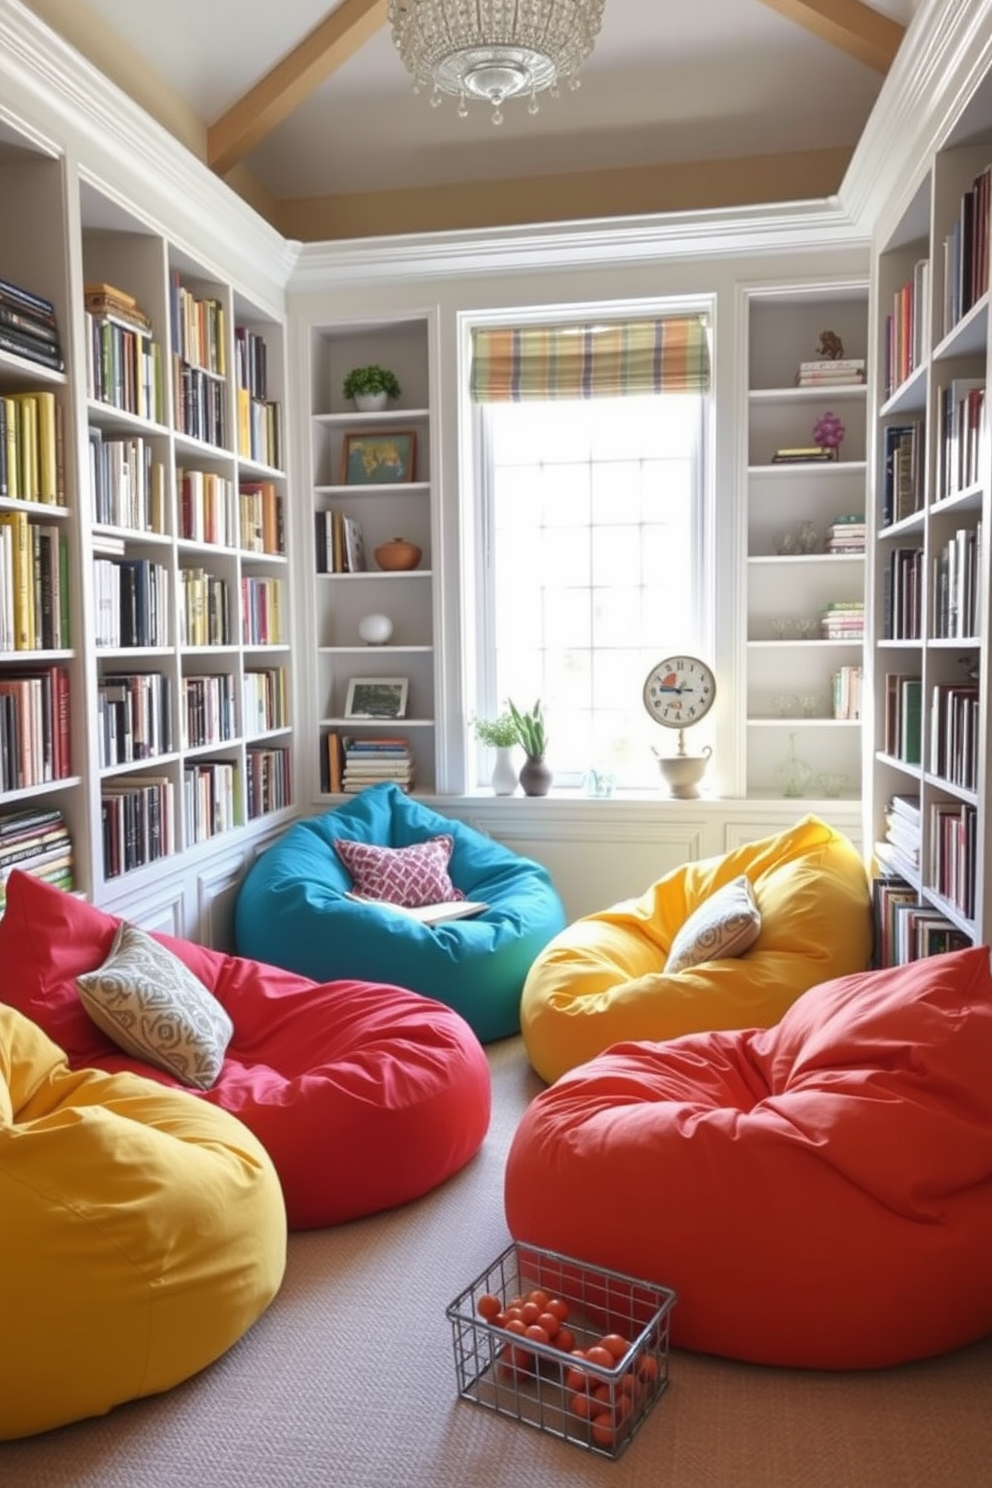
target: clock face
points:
(679, 691)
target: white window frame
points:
(478, 598)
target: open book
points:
(428, 914)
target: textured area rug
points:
(348, 1382)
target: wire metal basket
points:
(596, 1406)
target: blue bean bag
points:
(293, 911)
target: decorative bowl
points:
(398, 554)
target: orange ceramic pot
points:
(398, 554)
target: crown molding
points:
(54, 90)
(779, 228)
(944, 55)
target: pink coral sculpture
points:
(828, 432)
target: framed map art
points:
(386, 457)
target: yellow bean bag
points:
(603, 979)
(142, 1231)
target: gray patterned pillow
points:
(151, 1005)
(725, 924)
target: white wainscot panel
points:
(217, 885)
(597, 853)
(159, 905)
(600, 852)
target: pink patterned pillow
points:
(410, 876)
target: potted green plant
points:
(500, 734)
(371, 387)
(535, 775)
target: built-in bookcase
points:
(927, 756)
(805, 540)
(42, 675)
(146, 680)
(356, 511)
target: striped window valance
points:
(513, 363)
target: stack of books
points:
(846, 686)
(903, 721)
(841, 372)
(38, 842)
(34, 591)
(136, 814)
(902, 835)
(803, 454)
(955, 709)
(902, 479)
(31, 447)
(843, 620)
(953, 853)
(340, 543)
(906, 928)
(124, 366)
(846, 534)
(34, 727)
(28, 327)
(372, 761)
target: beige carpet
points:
(348, 1382)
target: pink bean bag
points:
(819, 1193)
(365, 1095)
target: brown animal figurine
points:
(831, 347)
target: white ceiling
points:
(669, 81)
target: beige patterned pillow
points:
(151, 1005)
(725, 924)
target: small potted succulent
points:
(370, 388)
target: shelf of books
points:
(187, 547)
(143, 610)
(807, 400)
(42, 813)
(927, 761)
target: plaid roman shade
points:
(514, 363)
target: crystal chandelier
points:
(492, 50)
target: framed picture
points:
(376, 697)
(385, 457)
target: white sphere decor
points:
(375, 630)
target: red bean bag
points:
(365, 1095)
(819, 1193)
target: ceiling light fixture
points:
(492, 50)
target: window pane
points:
(594, 515)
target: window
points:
(591, 566)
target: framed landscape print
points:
(383, 458)
(376, 697)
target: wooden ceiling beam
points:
(854, 28)
(281, 91)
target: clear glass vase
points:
(793, 774)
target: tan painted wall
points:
(619, 193)
(84, 30)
